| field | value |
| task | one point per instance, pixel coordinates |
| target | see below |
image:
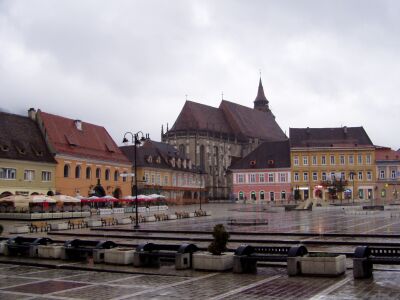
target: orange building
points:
(88, 160)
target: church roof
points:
(329, 137)
(260, 94)
(266, 156)
(228, 118)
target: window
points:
(342, 160)
(282, 177)
(252, 178)
(261, 177)
(314, 160)
(382, 174)
(262, 195)
(383, 193)
(360, 175)
(393, 174)
(153, 179)
(165, 179)
(296, 176)
(116, 175)
(272, 196)
(305, 160)
(174, 180)
(296, 160)
(29, 175)
(351, 176)
(360, 194)
(98, 173)
(368, 159)
(124, 177)
(283, 195)
(343, 175)
(323, 176)
(270, 177)
(351, 159)
(66, 170)
(253, 195)
(88, 172)
(78, 171)
(323, 160)
(241, 196)
(240, 178)
(305, 176)
(314, 176)
(107, 174)
(369, 175)
(46, 176)
(158, 179)
(359, 159)
(333, 176)
(332, 159)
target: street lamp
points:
(200, 187)
(352, 174)
(136, 141)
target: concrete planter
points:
(21, 229)
(94, 223)
(172, 217)
(323, 265)
(124, 221)
(210, 262)
(50, 251)
(2, 246)
(191, 215)
(150, 219)
(119, 256)
(59, 226)
(67, 214)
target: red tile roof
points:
(92, 142)
(386, 154)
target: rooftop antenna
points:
(222, 96)
(186, 96)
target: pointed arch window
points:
(98, 173)
(88, 172)
(78, 171)
(107, 174)
(66, 170)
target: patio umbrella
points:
(156, 196)
(65, 198)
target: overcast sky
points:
(127, 65)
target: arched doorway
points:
(5, 194)
(117, 193)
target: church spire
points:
(261, 102)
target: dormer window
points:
(253, 163)
(78, 124)
(184, 163)
(149, 159)
(173, 162)
(21, 150)
(271, 162)
(4, 148)
(179, 162)
(158, 160)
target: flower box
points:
(49, 251)
(323, 264)
(210, 262)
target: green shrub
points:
(221, 237)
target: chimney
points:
(78, 124)
(32, 114)
(345, 129)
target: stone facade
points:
(214, 138)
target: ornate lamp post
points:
(137, 139)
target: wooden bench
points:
(161, 217)
(141, 218)
(365, 257)
(80, 223)
(25, 245)
(246, 257)
(108, 221)
(149, 254)
(81, 249)
(200, 213)
(42, 225)
(182, 214)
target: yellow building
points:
(161, 169)
(26, 165)
(332, 163)
(88, 160)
